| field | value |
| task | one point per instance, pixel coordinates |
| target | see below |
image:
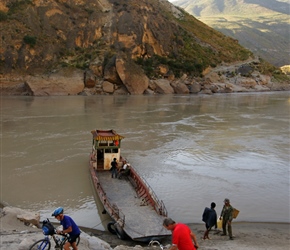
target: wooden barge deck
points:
(141, 222)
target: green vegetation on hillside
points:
(16, 6)
(30, 40)
(3, 16)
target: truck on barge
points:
(134, 208)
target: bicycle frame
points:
(59, 240)
(48, 238)
(44, 243)
(50, 235)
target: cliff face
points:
(41, 34)
(44, 36)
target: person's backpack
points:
(47, 228)
(205, 214)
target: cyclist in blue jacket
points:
(69, 227)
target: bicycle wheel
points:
(77, 241)
(41, 245)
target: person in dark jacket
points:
(209, 216)
(114, 168)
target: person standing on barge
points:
(114, 168)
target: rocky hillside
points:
(261, 26)
(51, 47)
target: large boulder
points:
(89, 79)
(131, 75)
(110, 72)
(163, 86)
(261, 88)
(245, 70)
(246, 82)
(195, 88)
(108, 87)
(64, 82)
(212, 77)
(28, 218)
(264, 79)
(180, 87)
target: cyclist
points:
(69, 227)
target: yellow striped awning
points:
(106, 135)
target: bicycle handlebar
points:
(61, 233)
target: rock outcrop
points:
(162, 86)
(64, 82)
(132, 76)
(21, 228)
(123, 77)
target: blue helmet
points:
(57, 211)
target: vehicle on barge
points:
(134, 208)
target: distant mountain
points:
(260, 25)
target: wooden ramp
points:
(141, 220)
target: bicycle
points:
(50, 234)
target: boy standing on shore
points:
(209, 216)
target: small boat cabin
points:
(106, 147)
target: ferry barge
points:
(134, 208)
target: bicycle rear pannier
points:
(47, 228)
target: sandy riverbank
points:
(247, 235)
(250, 236)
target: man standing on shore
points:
(68, 227)
(227, 216)
(182, 236)
(209, 216)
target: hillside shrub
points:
(3, 16)
(18, 5)
(30, 40)
(178, 66)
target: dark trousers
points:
(225, 224)
(114, 173)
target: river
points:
(191, 149)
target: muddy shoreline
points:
(17, 235)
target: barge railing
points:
(144, 190)
(117, 215)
